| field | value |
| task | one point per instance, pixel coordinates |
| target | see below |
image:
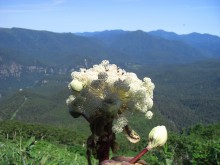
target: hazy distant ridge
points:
(205, 42)
(55, 49)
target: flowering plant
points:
(101, 95)
(113, 90)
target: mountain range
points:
(65, 49)
(184, 68)
(36, 52)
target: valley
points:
(40, 63)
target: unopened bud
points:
(157, 136)
(76, 85)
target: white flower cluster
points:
(107, 88)
(121, 122)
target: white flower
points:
(157, 136)
(119, 125)
(105, 63)
(149, 115)
(149, 103)
(70, 99)
(116, 129)
(76, 85)
(107, 79)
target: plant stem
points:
(135, 159)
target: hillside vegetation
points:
(191, 90)
(39, 144)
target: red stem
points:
(135, 159)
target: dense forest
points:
(191, 90)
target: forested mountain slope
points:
(185, 73)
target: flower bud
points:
(149, 114)
(76, 85)
(157, 136)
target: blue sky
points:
(179, 16)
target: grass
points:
(29, 151)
